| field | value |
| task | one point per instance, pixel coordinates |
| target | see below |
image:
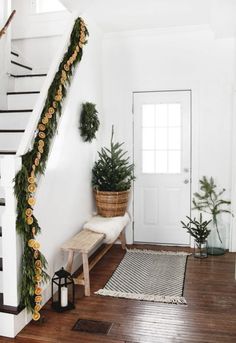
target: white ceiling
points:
(126, 15)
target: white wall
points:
(36, 38)
(175, 59)
(27, 24)
(4, 51)
(64, 196)
(37, 52)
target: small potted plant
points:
(112, 176)
(210, 201)
(199, 231)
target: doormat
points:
(149, 275)
(92, 326)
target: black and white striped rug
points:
(149, 275)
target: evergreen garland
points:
(112, 171)
(33, 165)
(89, 122)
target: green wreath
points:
(89, 122)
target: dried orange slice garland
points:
(33, 164)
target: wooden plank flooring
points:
(210, 316)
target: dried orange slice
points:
(42, 135)
(28, 212)
(40, 149)
(66, 67)
(45, 120)
(38, 271)
(32, 188)
(38, 299)
(31, 243)
(36, 315)
(37, 308)
(31, 201)
(38, 264)
(29, 220)
(41, 127)
(36, 245)
(38, 290)
(31, 179)
(51, 110)
(38, 278)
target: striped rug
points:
(149, 275)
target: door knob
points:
(186, 170)
(186, 181)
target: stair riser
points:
(10, 141)
(21, 60)
(18, 70)
(1, 281)
(14, 120)
(21, 101)
(1, 189)
(28, 83)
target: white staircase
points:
(23, 91)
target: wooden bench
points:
(84, 242)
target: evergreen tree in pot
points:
(112, 176)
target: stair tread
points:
(25, 92)
(28, 75)
(21, 65)
(15, 53)
(12, 131)
(9, 309)
(2, 202)
(15, 111)
(7, 152)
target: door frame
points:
(191, 147)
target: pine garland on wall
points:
(34, 264)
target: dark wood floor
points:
(210, 316)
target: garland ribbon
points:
(34, 264)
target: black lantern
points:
(64, 298)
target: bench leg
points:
(70, 261)
(123, 239)
(86, 274)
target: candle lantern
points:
(63, 291)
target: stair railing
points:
(3, 30)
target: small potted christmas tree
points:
(112, 176)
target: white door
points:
(162, 157)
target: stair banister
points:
(27, 137)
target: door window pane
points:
(161, 162)
(148, 162)
(161, 115)
(148, 139)
(148, 115)
(161, 139)
(174, 138)
(174, 115)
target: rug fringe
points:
(147, 297)
(161, 252)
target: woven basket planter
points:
(111, 204)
